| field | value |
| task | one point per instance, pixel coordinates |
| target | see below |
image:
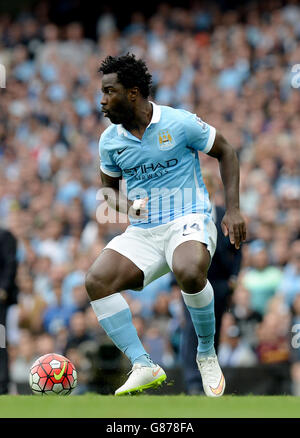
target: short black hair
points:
(131, 72)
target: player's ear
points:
(133, 93)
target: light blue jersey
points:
(163, 166)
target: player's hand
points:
(233, 224)
(138, 209)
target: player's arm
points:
(117, 200)
(112, 193)
(233, 223)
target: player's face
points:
(115, 103)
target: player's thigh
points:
(190, 247)
(112, 272)
(145, 249)
(190, 264)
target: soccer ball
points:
(52, 374)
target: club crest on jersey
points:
(165, 140)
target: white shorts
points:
(151, 249)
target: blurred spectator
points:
(78, 334)
(246, 318)
(234, 350)
(30, 305)
(149, 294)
(83, 369)
(289, 286)
(157, 333)
(295, 379)
(57, 316)
(140, 325)
(294, 337)
(260, 279)
(80, 298)
(8, 296)
(158, 345)
(161, 312)
(273, 334)
(20, 367)
(92, 326)
(44, 344)
(226, 263)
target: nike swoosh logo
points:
(190, 232)
(121, 150)
(59, 376)
(219, 388)
(154, 373)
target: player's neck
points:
(139, 123)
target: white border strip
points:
(199, 299)
(211, 139)
(109, 306)
(110, 173)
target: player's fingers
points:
(224, 229)
(244, 232)
(237, 236)
(240, 234)
(231, 235)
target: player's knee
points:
(191, 278)
(95, 285)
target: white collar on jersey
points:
(155, 119)
(156, 113)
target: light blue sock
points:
(144, 360)
(201, 308)
(115, 317)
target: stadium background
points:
(230, 64)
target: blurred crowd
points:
(234, 69)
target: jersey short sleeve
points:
(200, 135)
(107, 163)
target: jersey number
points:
(188, 229)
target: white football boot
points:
(212, 377)
(142, 377)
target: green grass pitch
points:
(149, 406)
